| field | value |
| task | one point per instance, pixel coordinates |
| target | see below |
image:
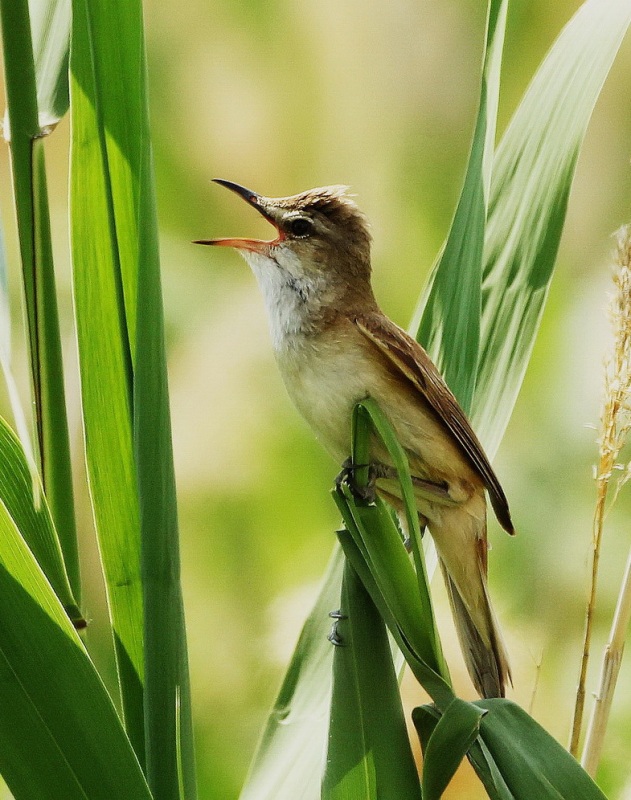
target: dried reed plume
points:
(615, 426)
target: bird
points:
(334, 348)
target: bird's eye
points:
(300, 227)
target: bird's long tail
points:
(461, 543)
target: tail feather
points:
(460, 536)
(485, 656)
(459, 532)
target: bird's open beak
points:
(257, 202)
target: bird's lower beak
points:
(255, 245)
(257, 202)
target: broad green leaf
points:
(168, 716)
(30, 513)
(124, 382)
(31, 203)
(393, 591)
(50, 24)
(369, 753)
(450, 323)
(514, 757)
(426, 719)
(106, 370)
(60, 736)
(447, 746)
(530, 762)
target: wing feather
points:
(413, 362)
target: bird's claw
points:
(346, 476)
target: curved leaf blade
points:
(447, 746)
(29, 510)
(106, 373)
(532, 177)
(531, 763)
(60, 736)
(133, 486)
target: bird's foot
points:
(368, 492)
(347, 476)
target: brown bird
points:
(335, 347)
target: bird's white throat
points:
(292, 299)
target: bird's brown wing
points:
(414, 363)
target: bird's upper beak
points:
(261, 205)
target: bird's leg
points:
(439, 491)
(366, 493)
(378, 471)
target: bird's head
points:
(321, 236)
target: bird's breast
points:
(325, 378)
(327, 374)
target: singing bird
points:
(334, 347)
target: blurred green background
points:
(282, 96)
